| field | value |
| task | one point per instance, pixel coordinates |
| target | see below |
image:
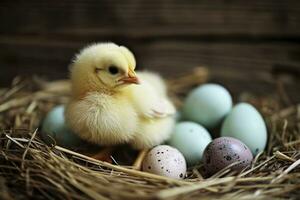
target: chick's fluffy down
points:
(154, 109)
(102, 119)
(155, 80)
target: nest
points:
(30, 169)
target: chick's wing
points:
(149, 103)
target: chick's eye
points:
(113, 70)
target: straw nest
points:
(29, 169)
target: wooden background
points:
(247, 45)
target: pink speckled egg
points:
(165, 160)
(224, 151)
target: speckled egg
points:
(224, 151)
(207, 105)
(54, 127)
(190, 139)
(245, 123)
(165, 160)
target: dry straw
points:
(29, 169)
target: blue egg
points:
(54, 128)
(245, 123)
(190, 139)
(207, 105)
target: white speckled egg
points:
(165, 160)
(208, 104)
(54, 127)
(245, 123)
(190, 139)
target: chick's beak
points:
(131, 78)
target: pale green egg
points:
(54, 128)
(207, 105)
(245, 123)
(190, 139)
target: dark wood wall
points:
(240, 41)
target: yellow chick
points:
(111, 104)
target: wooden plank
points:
(141, 18)
(168, 57)
(156, 55)
(246, 56)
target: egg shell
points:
(165, 160)
(190, 139)
(207, 105)
(245, 123)
(224, 151)
(54, 127)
